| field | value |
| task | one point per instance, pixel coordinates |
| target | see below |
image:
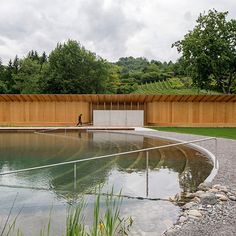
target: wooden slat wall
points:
(43, 113)
(163, 110)
(221, 114)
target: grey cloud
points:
(2, 42)
(188, 16)
(110, 28)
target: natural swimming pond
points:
(170, 171)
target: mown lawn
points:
(214, 132)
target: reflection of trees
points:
(197, 169)
(26, 150)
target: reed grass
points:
(105, 223)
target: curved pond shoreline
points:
(223, 221)
(151, 218)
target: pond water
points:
(170, 171)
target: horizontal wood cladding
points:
(163, 110)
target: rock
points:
(189, 205)
(205, 186)
(198, 193)
(214, 190)
(195, 213)
(221, 188)
(232, 198)
(171, 231)
(208, 198)
(182, 219)
(221, 197)
(196, 200)
(175, 198)
(224, 189)
(201, 208)
(193, 218)
(190, 195)
(217, 186)
(168, 223)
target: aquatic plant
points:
(106, 223)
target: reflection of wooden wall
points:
(192, 113)
(43, 113)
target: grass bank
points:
(214, 132)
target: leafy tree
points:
(27, 80)
(113, 79)
(73, 69)
(209, 51)
(142, 71)
(3, 87)
(131, 64)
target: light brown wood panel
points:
(168, 110)
(219, 112)
(195, 113)
(43, 112)
(180, 113)
(206, 112)
(192, 113)
(230, 112)
(150, 113)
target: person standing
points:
(79, 120)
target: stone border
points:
(208, 200)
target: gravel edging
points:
(219, 219)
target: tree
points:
(8, 77)
(1, 70)
(73, 69)
(28, 79)
(209, 51)
(3, 86)
(15, 65)
(113, 79)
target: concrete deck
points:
(44, 128)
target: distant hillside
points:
(171, 86)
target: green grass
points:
(213, 132)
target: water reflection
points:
(180, 167)
(170, 170)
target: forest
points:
(207, 63)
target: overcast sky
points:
(111, 28)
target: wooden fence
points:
(163, 110)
